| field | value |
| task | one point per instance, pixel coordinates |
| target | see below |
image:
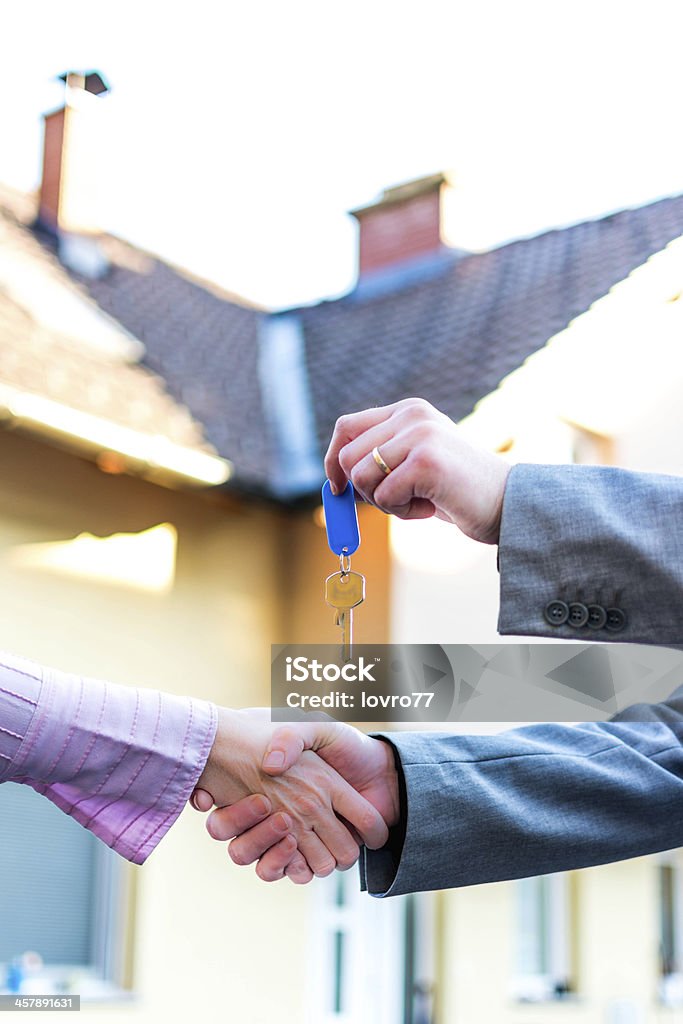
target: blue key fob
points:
(341, 520)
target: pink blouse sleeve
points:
(121, 761)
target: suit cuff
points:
(392, 870)
(591, 553)
(378, 867)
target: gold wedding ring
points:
(380, 462)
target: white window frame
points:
(671, 982)
(372, 982)
(552, 907)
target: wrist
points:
(225, 756)
(499, 477)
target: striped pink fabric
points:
(121, 761)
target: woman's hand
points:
(434, 470)
(302, 807)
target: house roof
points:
(194, 378)
(627, 337)
(56, 345)
(450, 337)
(203, 342)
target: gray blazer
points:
(553, 797)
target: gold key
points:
(344, 591)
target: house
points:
(161, 452)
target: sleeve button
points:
(556, 613)
(597, 616)
(616, 620)
(578, 615)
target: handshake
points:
(298, 799)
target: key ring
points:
(344, 562)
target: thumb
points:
(201, 800)
(289, 742)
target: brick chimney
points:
(404, 228)
(68, 206)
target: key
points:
(344, 591)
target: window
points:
(670, 931)
(543, 933)
(357, 955)
(64, 896)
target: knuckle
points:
(237, 855)
(367, 821)
(307, 805)
(298, 867)
(216, 829)
(325, 867)
(284, 736)
(268, 874)
(342, 424)
(300, 876)
(281, 822)
(346, 458)
(423, 457)
(422, 433)
(348, 859)
(417, 406)
(360, 480)
(346, 864)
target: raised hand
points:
(434, 471)
(367, 764)
(301, 808)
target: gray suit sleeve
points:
(533, 800)
(592, 536)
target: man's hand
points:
(367, 764)
(434, 471)
(307, 799)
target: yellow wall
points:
(211, 941)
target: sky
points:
(237, 135)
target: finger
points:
(366, 819)
(366, 476)
(298, 870)
(271, 867)
(420, 508)
(395, 449)
(225, 822)
(253, 843)
(318, 857)
(376, 437)
(338, 840)
(346, 429)
(289, 742)
(396, 493)
(201, 800)
(354, 834)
